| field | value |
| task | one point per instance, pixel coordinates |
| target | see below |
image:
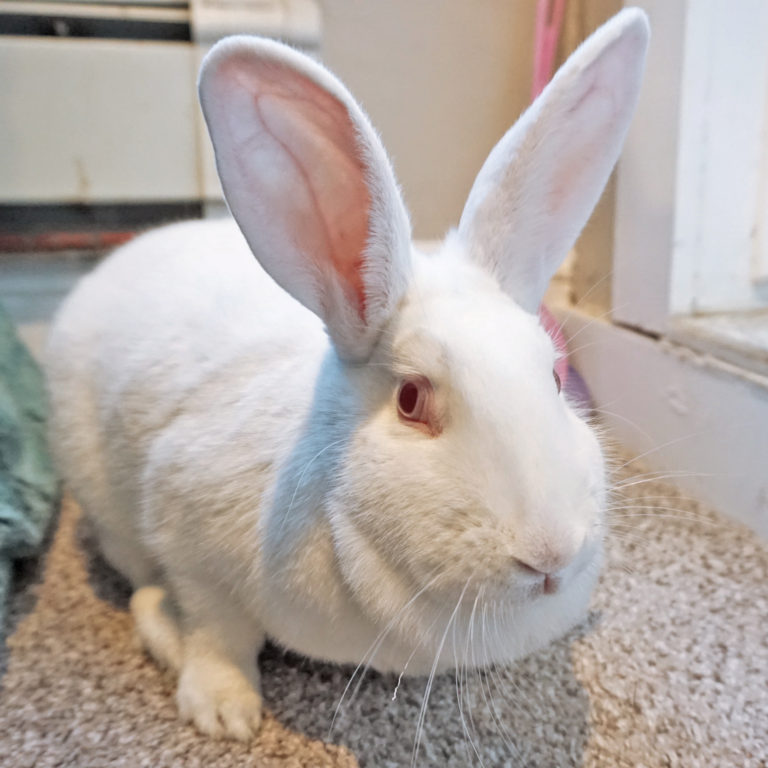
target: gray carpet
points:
(670, 669)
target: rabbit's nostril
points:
(527, 567)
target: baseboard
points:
(702, 420)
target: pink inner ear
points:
(328, 216)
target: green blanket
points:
(28, 485)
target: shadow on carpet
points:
(671, 670)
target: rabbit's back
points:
(182, 325)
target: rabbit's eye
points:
(408, 400)
(557, 380)
(415, 404)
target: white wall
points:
(442, 80)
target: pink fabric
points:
(553, 329)
(549, 21)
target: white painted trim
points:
(721, 135)
(91, 120)
(760, 263)
(740, 338)
(701, 420)
(646, 182)
(689, 188)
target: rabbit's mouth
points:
(549, 585)
(522, 584)
(588, 559)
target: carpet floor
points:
(669, 669)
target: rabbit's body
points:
(139, 346)
(372, 463)
(194, 407)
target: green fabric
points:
(28, 485)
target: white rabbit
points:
(357, 450)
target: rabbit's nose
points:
(546, 557)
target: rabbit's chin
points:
(496, 629)
(476, 628)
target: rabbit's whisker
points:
(459, 669)
(625, 504)
(490, 671)
(469, 660)
(627, 537)
(660, 447)
(475, 661)
(592, 321)
(374, 647)
(498, 623)
(585, 345)
(679, 516)
(562, 326)
(626, 420)
(428, 689)
(657, 477)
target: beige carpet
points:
(671, 669)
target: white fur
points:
(538, 186)
(251, 477)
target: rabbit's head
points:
(464, 471)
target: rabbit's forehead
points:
(457, 324)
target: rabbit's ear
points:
(309, 184)
(541, 181)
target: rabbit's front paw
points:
(219, 699)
